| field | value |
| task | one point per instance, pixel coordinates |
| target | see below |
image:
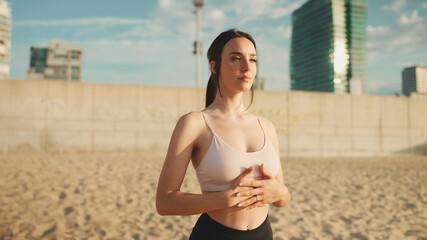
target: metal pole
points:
(198, 53)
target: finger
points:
(253, 183)
(250, 192)
(265, 172)
(248, 171)
(248, 174)
(254, 205)
(247, 202)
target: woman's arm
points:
(283, 190)
(169, 199)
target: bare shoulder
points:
(187, 131)
(267, 124)
(192, 120)
(191, 117)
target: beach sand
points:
(112, 196)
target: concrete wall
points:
(63, 116)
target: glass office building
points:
(328, 47)
(414, 80)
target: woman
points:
(235, 154)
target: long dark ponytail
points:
(214, 54)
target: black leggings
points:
(206, 228)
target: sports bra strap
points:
(259, 121)
(208, 123)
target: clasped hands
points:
(248, 194)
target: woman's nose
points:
(245, 65)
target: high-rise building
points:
(58, 61)
(5, 23)
(414, 80)
(328, 47)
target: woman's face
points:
(238, 65)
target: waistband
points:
(261, 232)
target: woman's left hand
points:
(265, 191)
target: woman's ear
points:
(212, 66)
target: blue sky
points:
(151, 42)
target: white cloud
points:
(404, 43)
(413, 19)
(106, 21)
(134, 32)
(165, 4)
(186, 31)
(128, 51)
(282, 32)
(395, 6)
(399, 41)
(283, 11)
(215, 16)
(405, 35)
(175, 8)
(157, 61)
(175, 20)
(249, 10)
(378, 30)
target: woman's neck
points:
(228, 104)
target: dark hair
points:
(214, 54)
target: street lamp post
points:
(198, 4)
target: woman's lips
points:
(246, 79)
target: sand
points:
(112, 195)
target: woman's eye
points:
(235, 59)
(254, 60)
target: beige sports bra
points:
(222, 164)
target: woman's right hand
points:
(233, 196)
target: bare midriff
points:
(238, 218)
